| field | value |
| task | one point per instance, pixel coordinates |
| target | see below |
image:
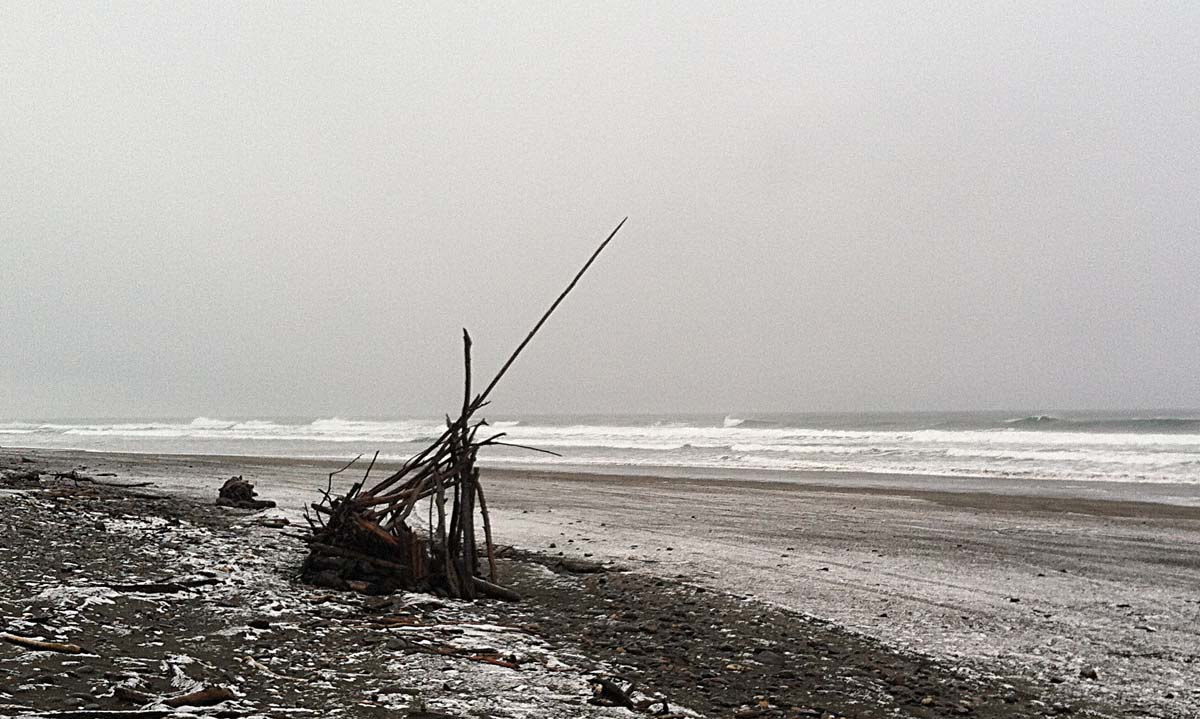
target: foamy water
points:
(1153, 448)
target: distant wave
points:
(207, 423)
(1123, 424)
(731, 422)
(1037, 419)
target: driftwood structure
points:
(367, 539)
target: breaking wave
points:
(1133, 449)
(1124, 424)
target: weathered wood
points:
(495, 591)
(40, 645)
(487, 533)
(359, 556)
(103, 714)
(562, 296)
(239, 493)
(162, 587)
(203, 698)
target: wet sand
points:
(1046, 586)
(1037, 583)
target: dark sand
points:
(934, 587)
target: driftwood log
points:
(41, 646)
(203, 698)
(369, 539)
(237, 492)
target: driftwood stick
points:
(467, 473)
(204, 697)
(495, 591)
(103, 714)
(466, 407)
(339, 471)
(162, 587)
(267, 670)
(440, 500)
(485, 659)
(367, 500)
(369, 466)
(420, 459)
(519, 446)
(487, 533)
(542, 321)
(41, 646)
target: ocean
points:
(1157, 447)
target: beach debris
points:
(237, 492)
(203, 698)
(161, 587)
(41, 646)
(368, 539)
(606, 691)
(77, 476)
(102, 714)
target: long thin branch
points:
(487, 533)
(349, 464)
(520, 446)
(370, 467)
(542, 321)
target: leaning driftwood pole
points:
(562, 296)
(362, 540)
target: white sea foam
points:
(731, 443)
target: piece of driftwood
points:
(368, 539)
(162, 587)
(495, 591)
(76, 476)
(40, 645)
(203, 698)
(607, 692)
(267, 670)
(104, 714)
(239, 493)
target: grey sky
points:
(263, 209)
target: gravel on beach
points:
(168, 598)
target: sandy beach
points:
(737, 360)
(1092, 597)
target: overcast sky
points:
(279, 209)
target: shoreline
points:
(1041, 586)
(1059, 492)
